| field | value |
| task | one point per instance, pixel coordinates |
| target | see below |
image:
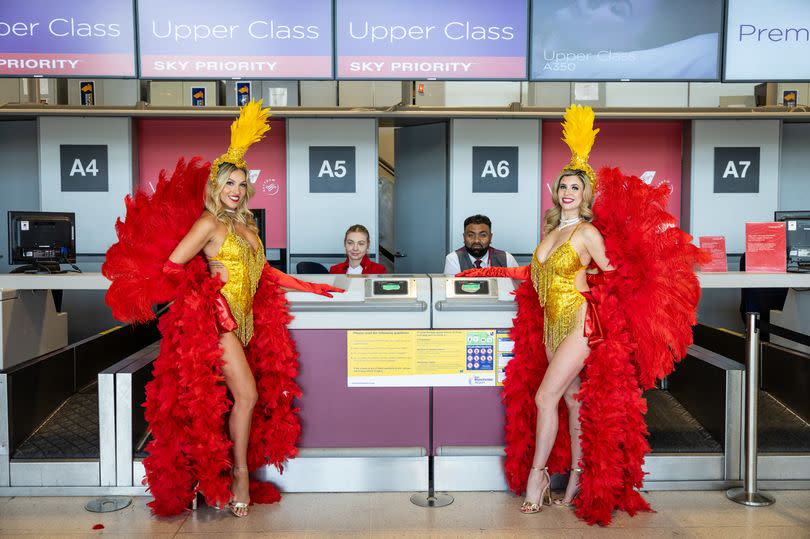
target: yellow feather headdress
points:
(579, 135)
(246, 130)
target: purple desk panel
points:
(333, 415)
(467, 416)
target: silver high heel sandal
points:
(239, 509)
(528, 508)
(561, 502)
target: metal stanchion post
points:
(432, 499)
(748, 494)
(108, 504)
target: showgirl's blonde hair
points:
(553, 215)
(213, 202)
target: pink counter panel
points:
(334, 415)
(467, 416)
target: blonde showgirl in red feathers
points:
(222, 290)
(577, 340)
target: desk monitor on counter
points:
(41, 240)
(798, 239)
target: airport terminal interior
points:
(407, 119)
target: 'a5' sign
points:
(332, 169)
(736, 170)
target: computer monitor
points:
(41, 240)
(797, 239)
(259, 217)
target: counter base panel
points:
(335, 415)
(350, 474)
(408, 474)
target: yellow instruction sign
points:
(421, 358)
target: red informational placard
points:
(716, 247)
(765, 250)
(651, 150)
(162, 142)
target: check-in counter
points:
(356, 438)
(469, 421)
(30, 325)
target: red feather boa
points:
(647, 309)
(187, 401)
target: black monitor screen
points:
(259, 217)
(797, 237)
(41, 237)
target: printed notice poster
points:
(716, 247)
(506, 347)
(765, 249)
(426, 39)
(424, 358)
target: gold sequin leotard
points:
(554, 282)
(244, 267)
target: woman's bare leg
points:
(564, 367)
(576, 446)
(240, 382)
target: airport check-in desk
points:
(378, 438)
(356, 438)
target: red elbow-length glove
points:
(521, 273)
(288, 281)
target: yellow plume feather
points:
(248, 129)
(251, 125)
(579, 135)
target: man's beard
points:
(477, 252)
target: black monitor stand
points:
(39, 267)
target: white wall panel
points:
(646, 94)
(96, 211)
(317, 221)
(794, 174)
(725, 214)
(515, 216)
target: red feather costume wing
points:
(187, 401)
(646, 309)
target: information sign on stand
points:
(765, 248)
(716, 247)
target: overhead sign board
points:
(426, 39)
(68, 38)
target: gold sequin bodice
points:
(557, 292)
(244, 267)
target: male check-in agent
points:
(477, 252)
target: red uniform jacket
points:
(367, 264)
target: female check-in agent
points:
(356, 242)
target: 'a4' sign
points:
(84, 167)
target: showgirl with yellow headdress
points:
(194, 243)
(606, 307)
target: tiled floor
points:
(391, 515)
